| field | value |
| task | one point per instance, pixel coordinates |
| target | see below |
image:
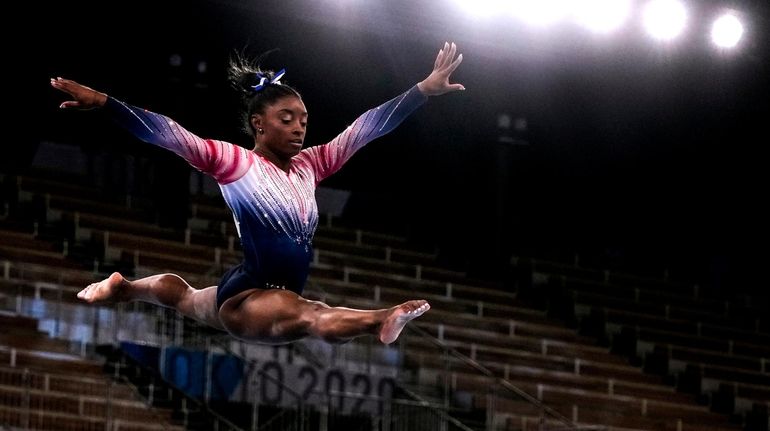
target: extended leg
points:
(167, 290)
(279, 316)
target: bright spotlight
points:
(664, 19)
(726, 31)
(602, 16)
(539, 13)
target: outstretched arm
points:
(329, 158)
(224, 161)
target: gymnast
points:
(270, 191)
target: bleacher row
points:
(44, 386)
(717, 346)
(706, 357)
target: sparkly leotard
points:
(275, 212)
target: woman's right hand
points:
(84, 97)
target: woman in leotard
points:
(270, 191)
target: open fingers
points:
(439, 59)
(444, 53)
(450, 55)
(448, 61)
(454, 64)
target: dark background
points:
(636, 152)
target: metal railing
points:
(168, 329)
(497, 388)
(327, 409)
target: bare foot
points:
(399, 316)
(111, 289)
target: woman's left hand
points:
(437, 83)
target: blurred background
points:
(588, 218)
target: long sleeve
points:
(328, 158)
(223, 161)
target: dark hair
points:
(243, 75)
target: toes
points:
(419, 310)
(88, 291)
(83, 294)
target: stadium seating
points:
(600, 347)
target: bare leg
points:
(167, 290)
(280, 316)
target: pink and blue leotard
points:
(275, 212)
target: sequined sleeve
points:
(328, 158)
(223, 161)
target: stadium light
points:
(726, 31)
(665, 19)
